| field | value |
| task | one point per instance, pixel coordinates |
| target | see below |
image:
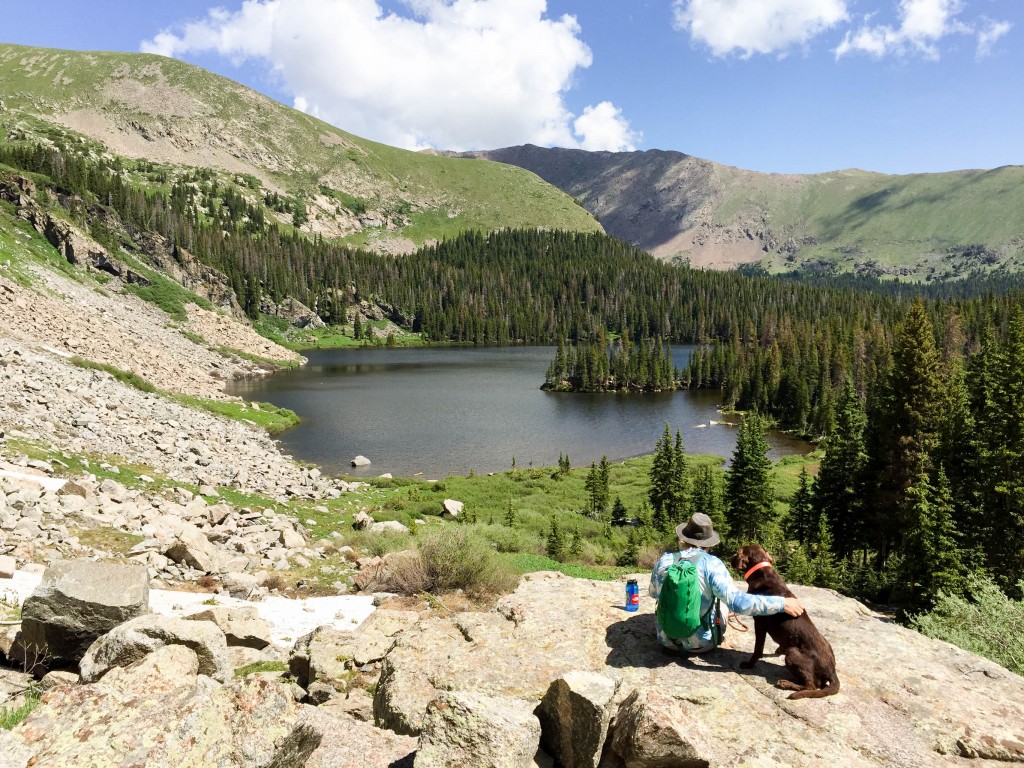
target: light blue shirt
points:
(715, 581)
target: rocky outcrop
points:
(574, 717)
(77, 602)
(468, 729)
(329, 655)
(894, 708)
(77, 247)
(242, 627)
(160, 712)
(292, 310)
(324, 740)
(136, 639)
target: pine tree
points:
(619, 511)
(907, 427)
(630, 555)
(750, 503)
(707, 497)
(802, 523)
(828, 571)
(932, 562)
(510, 514)
(555, 548)
(660, 493)
(679, 487)
(576, 543)
(1001, 444)
(839, 489)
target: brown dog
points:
(809, 657)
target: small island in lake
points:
(623, 366)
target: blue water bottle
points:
(632, 595)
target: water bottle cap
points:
(631, 581)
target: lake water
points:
(440, 411)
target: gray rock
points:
(321, 739)
(652, 729)
(14, 752)
(893, 709)
(469, 729)
(361, 521)
(8, 566)
(161, 713)
(360, 461)
(134, 640)
(76, 602)
(58, 677)
(241, 626)
(574, 717)
(452, 508)
(193, 549)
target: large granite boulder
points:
(324, 740)
(76, 602)
(467, 729)
(242, 626)
(134, 640)
(161, 713)
(329, 655)
(574, 717)
(906, 700)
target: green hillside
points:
(176, 115)
(918, 227)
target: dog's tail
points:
(819, 693)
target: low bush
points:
(984, 621)
(451, 558)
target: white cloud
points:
(756, 26)
(453, 74)
(989, 33)
(603, 127)
(923, 24)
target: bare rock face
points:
(896, 706)
(652, 729)
(134, 640)
(327, 655)
(242, 627)
(574, 717)
(324, 740)
(469, 729)
(78, 601)
(161, 713)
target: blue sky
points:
(799, 86)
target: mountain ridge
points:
(675, 205)
(162, 110)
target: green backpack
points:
(678, 608)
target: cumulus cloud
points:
(922, 25)
(454, 74)
(603, 127)
(756, 26)
(988, 33)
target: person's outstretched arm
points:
(722, 585)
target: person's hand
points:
(794, 607)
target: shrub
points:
(453, 558)
(984, 621)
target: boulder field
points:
(556, 674)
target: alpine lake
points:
(431, 412)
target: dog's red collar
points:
(758, 567)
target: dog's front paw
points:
(748, 664)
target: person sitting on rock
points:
(696, 536)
